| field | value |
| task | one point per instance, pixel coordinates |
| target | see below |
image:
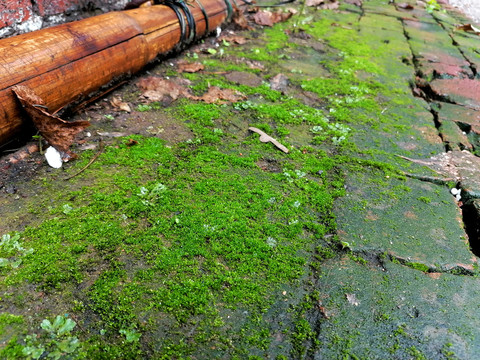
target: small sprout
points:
(109, 117)
(144, 107)
(345, 245)
(67, 209)
(271, 242)
(316, 129)
(300, 174)
(131, 335)
(211, 51)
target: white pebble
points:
(455, 191)
(54, 158)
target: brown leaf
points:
(468, 28)
(120, 105)
(254, 65)
(268, 18)
(190, 67)
(156, 89)
(267, 138)
(405, 6)
(240, 40)
(279, 82)
(216, 95)
(59, 133)
(240, 20)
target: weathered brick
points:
(14, 11)
(55, 7)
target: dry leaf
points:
(216, 95)
(59, 133)
(120, 105)
(240, 20)
(468, 28)
(405, 6)
(267, 138)
(279, 82)
(268, 18)
(255, 65)
(240, 40)
(156, 89)
(190, 67)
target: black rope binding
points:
(229, 10)
(179, 6)
(205, 16)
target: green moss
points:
(418, 266)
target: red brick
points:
(12, 11)
(54, 7)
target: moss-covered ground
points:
(218, 246)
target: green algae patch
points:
(182, 234)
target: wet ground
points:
(189, 238)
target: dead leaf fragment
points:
(59, 133)
(117, 103)
(279, 82)
(240, 20)
(240, 40)
(156, 89)
(220, 96)
(190, 67)
(268, 18)
(468, 28)
(267, 138)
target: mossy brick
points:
(382, 8)
(468, 45)
(408, 219)
(464, 92)
(467, 118)
(453, 136)
(434, 52)
(384, 310)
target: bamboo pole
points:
(72, 61)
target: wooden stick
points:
(100, 150)
(71, 62)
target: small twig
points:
(89, 163)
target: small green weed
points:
(55, 343)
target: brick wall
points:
(20, 16)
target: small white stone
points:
(54, 158)
(219, 31)
(455, 191)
